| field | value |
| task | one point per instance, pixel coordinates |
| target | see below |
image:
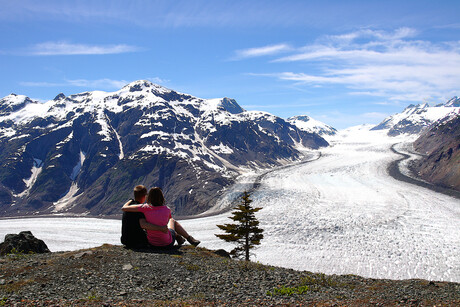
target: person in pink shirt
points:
(157, 213)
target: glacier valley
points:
(340, 213)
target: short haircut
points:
(156, 197)
(139, 191)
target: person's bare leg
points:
(172, 224)
(181, 231)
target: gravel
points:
(111, 275)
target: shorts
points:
(173, 236)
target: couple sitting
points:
(155, 218)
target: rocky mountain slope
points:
(113, 276)
(440, 147)
(308, 124)
(84, 153)
(415, 118)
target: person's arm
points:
(148, 226)
(130, 208)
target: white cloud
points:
(158, 80)
(94, 84)
(65, 48)
(40, 84)
(98, 84)
(261, 51)
(378, 63)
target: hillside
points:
(113, 276)
(440, 147)
(83, 153)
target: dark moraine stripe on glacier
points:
(394, 171)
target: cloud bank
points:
(392, 65)
(65, 48)
(97, 84)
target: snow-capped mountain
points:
(453, 102)
(415, 118)
(308, 124)
(84, 153)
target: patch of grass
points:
(190, 266)
(3, 301)
(310, 282)
(17, 254)
(319, 280)
(288, 291)
(93, 296)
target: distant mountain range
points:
(415, 118)
(306, 123)
(84, 153)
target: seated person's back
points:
(132, 235)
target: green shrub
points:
(288, 291)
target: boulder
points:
(24, 242)
(222, 253)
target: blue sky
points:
(342, 62)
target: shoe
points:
(180, 240)
(193, 241)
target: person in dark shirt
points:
(133, 223)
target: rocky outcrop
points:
(24, 242)
(440, 147)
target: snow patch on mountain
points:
(7, 132)
(67, 199)
(66, 140)
(77, 168)
(222, 149)
(36, 170)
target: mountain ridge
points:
(83, 153)
(415, 118)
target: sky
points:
(341, 62)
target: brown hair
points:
(156, 197)
(139, 191)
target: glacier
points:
(338, 214)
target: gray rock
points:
(222, 253)
(24, 242)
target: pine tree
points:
(246, 234)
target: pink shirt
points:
(158, 215)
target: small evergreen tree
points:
(246, 233)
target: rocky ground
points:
(114, 276)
